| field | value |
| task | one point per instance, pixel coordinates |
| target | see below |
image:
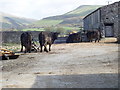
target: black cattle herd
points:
(48, 38)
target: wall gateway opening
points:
(109, 30)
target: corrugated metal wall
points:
(92, 21)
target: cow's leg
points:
(49, 47)
(96, 40)
(21, 48)
(29, 50)
(90, 40)
(41, 48)
(30, 47)
(45, 48)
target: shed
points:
(106, 19)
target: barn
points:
(106, 19)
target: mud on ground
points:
(76, 65)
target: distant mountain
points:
(72, 18)
(9, 22)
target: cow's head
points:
(55, 35)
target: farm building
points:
(106, 19)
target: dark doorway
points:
(109, 30)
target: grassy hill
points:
(10, 22)
(70, 19)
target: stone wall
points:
(109, 14)
(14, 36)
(119, 22)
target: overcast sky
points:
(38, 9)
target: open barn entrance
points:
(109, 30)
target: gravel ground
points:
(76, 65)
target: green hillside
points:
(84, 9)
(70, 19)
(47, 22)
(10, 22)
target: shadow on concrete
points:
(76, 81)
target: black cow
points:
(26, 39)
(47, 38)
(74, 38)
(94, 35)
